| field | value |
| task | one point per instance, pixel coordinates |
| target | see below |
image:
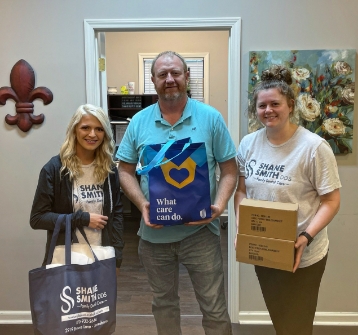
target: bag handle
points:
(81, 230)
(65, 219)
(60, 220)
(158, 158)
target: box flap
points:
(268, 219)
(269, 204)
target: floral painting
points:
(324, 83)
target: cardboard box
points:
(268, 219)
(267, 233)
(269, 252)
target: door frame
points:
(95, 88)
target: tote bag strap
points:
(60, 220)
(158, 158)
(81, 230)
(66, 220)
(68, 240)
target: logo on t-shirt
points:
(266, 172)
(91, 193)
(249, 168)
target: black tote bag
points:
(73, 299)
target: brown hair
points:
(277, 76)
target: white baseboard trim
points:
(247, 318)
(321, 318)
(15, 317)
(24, 317)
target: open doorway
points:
(126, 64)
(123, 66)
(96, 89)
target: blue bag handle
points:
(65, 218)
(158, 158)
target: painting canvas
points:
(324, 83)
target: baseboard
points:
(15, 317)
(245, 318)
(321, 318)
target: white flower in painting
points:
(300, 73)
(309, 107)
(348, 94)
(342, 68)
(334, 127)
(331, 109)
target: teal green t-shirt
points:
(200, 122)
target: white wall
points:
(49, 35)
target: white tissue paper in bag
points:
(80, 254)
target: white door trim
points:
(93, 91)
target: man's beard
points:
(172, 96)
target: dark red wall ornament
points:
(23, 92)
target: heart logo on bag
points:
(179, 175)
(174, 174)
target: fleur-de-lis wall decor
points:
(23, 92)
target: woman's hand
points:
(235, 240)
(326, 211)
(300, 245)
(97, 221)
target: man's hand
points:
(146, 217)
(215, 212)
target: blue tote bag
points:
(179, 188)
(73, 299)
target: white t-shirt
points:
(297, 171)
(88, 196)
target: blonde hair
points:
(104, 153)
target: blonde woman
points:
(82, 181)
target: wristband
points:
(308, 236)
